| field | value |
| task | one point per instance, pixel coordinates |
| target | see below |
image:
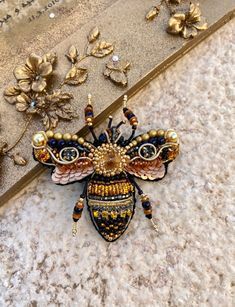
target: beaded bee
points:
(108, 166)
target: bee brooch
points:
(108, 166)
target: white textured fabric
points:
(192, 262)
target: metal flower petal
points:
(33, 61)
(23, 102)
(39, 85)
(23, 72)
(25, 85)
(45, 69)
(188, 23)
(11, 93)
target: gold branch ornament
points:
(78, 74)
(35, 93)
(185, 22)
(5, 149)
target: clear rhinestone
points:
(115, 58)
(52, 15)
(33, 104)
(69, 154)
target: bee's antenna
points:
(110, 121)
(129, 114)
(89, 117)
(125, 98)
(121, 123)
(131, 118)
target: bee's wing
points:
(69, 159)
(76, 171)
(151, 153)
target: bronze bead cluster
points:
(109, 159)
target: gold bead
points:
(171, 136)
(139, 139)
(81, 141)
(74, 137)
(58, 136)
(49, 134)
(160, 132)
(89, 119)
(145, 137)
(67, 136)
(95, 213)
(134, 142)
(39, 139)
(152, 133)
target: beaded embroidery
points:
(108, 166)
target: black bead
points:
(165, 154)
(74, 144)
(75, 220)
(146, 205)
(129, 116)
(149, 216)
(52, 143)
(61, 143)
(77, 210)
(103, 138)
(161, 140)
(69, 143)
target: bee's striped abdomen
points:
(111, 203)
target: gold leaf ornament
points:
(93, 35)
(3, 147)
(56, 106)
(76, 76)
(101, 49)
(175, 1)
(50, 57)
(152, 13)
(73, 54)
(19, 160)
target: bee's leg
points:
(145, 203)
(89, 116)
(131, 118)
(78, 208)
(131, 136)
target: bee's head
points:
(112, 134)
